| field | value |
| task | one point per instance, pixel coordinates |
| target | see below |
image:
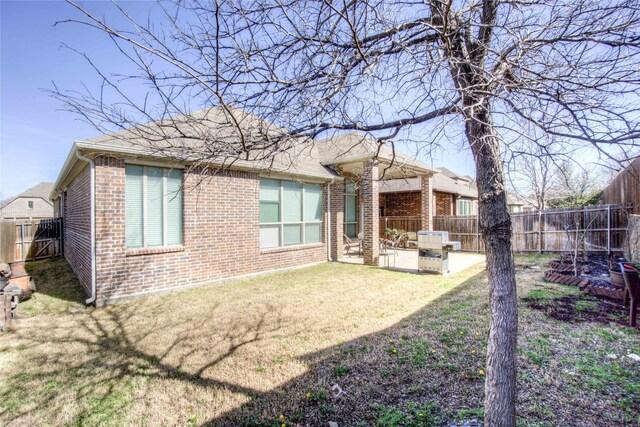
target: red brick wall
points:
(337, 220)
(444, 203)
(221, 236)
(77, 227)
(401, 204)
(426, 201)
(370, 199)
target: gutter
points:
(92, 223)
(329, 220)
(241, 165)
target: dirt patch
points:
(576, 309)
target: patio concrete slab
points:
(407, 260)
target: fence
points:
(406, 223)
(594, 228)
(30, 240)
(625, 188)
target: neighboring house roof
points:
(41, 190)
(6, 202)
(461, 187)
(444, 181)
(214, 137)
(516, 200)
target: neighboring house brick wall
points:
(77, 227)
(444, 203)
(221, 236)
(19, 209)
(401, 204)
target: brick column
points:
(111, 265)
(426, 196)
(337, 220)
(371, 201)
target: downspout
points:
(92, 222)
(329, 220)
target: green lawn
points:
(407, 349)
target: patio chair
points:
(386, 252)
(412, 239)
(352, 243)
(395, 243)
(632, 282)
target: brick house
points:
(140, 221)
(31, 204)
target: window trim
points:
(460, 202)
(281, 223)
(144, 249)
(356, 198)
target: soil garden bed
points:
(593, 275)
(574, 309)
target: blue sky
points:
(35, 135)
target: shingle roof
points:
(445, 184)
(441, 182)
(351, 147)
(214, 136)
(515, 199)
(399, 185)
(5, 202)
(41, 190)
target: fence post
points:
(608, 229)
(539, 231)
(478, 232)
(21, 242)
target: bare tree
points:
(578, 186)
(485, 68)
(537, 174)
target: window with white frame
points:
(153, 199)
(465, 207)
(350, 209)
(290, 213)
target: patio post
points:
(337, 220)
(426, 195)
(370, 200)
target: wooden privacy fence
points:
(406, 223)
(25, 241)
(594, 228)
(625, 188)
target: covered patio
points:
(360, 200)
(355, 204)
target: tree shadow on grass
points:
(89, 364)
(422, 371)
(95, 367)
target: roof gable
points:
(41, 190)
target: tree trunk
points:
(495, 225)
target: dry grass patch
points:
(409, 350)
(192, 356)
